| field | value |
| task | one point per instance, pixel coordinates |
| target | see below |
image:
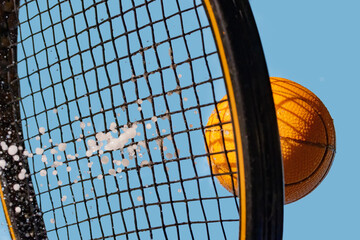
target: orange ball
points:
(307, 137)
(216, 136)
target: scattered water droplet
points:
(42, 130)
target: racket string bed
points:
(108, 106)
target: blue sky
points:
(316, 43)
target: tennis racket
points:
(104, 109)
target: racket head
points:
(58, 79)
(263, 172)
